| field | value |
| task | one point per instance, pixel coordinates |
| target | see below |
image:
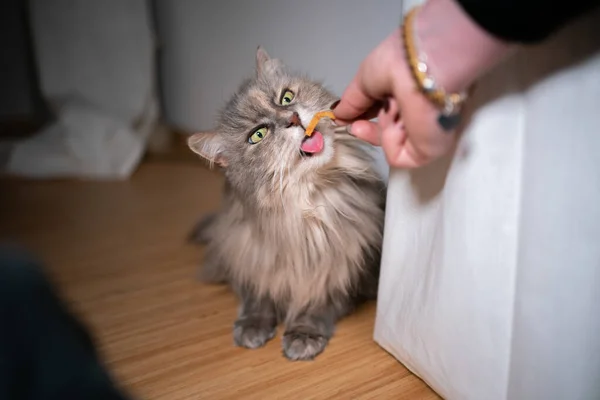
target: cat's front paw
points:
(252, 333)
(299, 345)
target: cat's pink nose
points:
(294, 120)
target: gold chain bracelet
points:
(449, 104)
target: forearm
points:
(457, 49)
(464, 39)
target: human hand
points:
(407, 129)
(458, 52)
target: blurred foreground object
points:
(45, 352)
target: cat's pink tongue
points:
(313, 144)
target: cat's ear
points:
(265, 65)
(208, 145)
(262, 58)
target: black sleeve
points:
(524, 21)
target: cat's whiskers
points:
(278, 183)
(281, 185)
(275, 179)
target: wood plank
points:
(117, 251)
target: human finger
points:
(367, 131)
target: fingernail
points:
(349, 129)
(334, 105)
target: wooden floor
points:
(118, 253)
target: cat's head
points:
(260, 136)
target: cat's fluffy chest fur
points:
(299, 235)
(310, 247)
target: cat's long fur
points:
(298, 238)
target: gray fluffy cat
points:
(299, 234)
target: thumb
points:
(354, 102)
(371, 84)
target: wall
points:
(208, 47)
(19, 98)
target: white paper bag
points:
(490, 284)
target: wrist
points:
(458, 51)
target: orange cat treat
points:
(315, 120)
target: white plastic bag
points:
(83, 142)
(95, 62)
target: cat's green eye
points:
(258, 135)
(287, 97)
